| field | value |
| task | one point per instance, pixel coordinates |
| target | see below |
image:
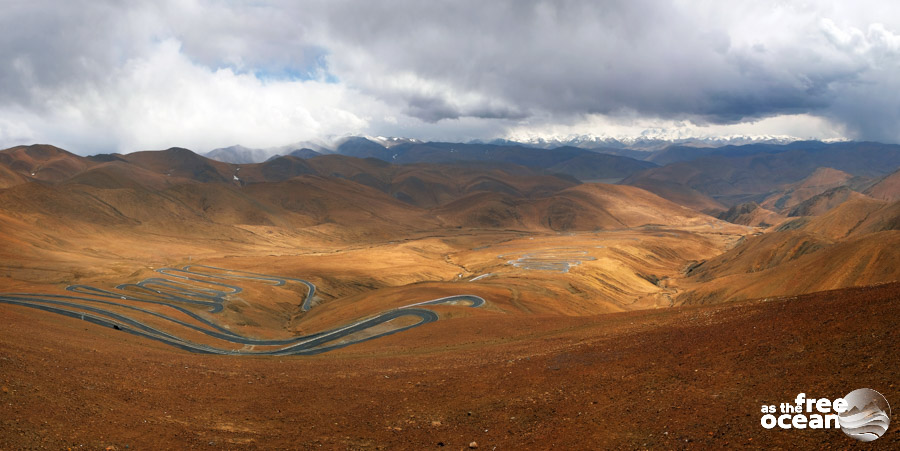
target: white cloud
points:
(164, 99)
(179, 101)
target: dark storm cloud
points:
(580, 57)
(437, 108)
(654, 58)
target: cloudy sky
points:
(100, 76)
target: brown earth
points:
(40, 162)
(823, 203)
(851, 245)
(820, 181)
(887, 188)
(678, 192)
(590, 206)
(584, 341)
(853, 218)
(751, 214)
(683, 378)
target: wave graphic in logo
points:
(868, 415)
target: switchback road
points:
(204, 287)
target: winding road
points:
(204, 287)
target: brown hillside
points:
(122, 174)
(759, 253)
(586, 207)
(341, 202)
(9, 177)
(484, 210)
(854, 217)
(823, 202)
(44, 162)
(681, 195)
(820, 181)
(350, 167)
(888, 188)
(190, 210)
(428, 186)
(275, 170)
(54, 205)
(751, 214)
(866, 260)
(431, 185)
(853, 244)
(634, 207)
(179, 162)
(422, 185)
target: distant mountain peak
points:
(653, 139)
(391, 141)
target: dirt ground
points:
(679, 378)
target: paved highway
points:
(205, 287)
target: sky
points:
(96, 76)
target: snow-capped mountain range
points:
(647, 141)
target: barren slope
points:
(751, 214)
(825, 201)
(43, 162)
(888, 188)
(699, 376)
(820, 181)
(179, 162)
(680, 194)
(585, 207)
(851, 245)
